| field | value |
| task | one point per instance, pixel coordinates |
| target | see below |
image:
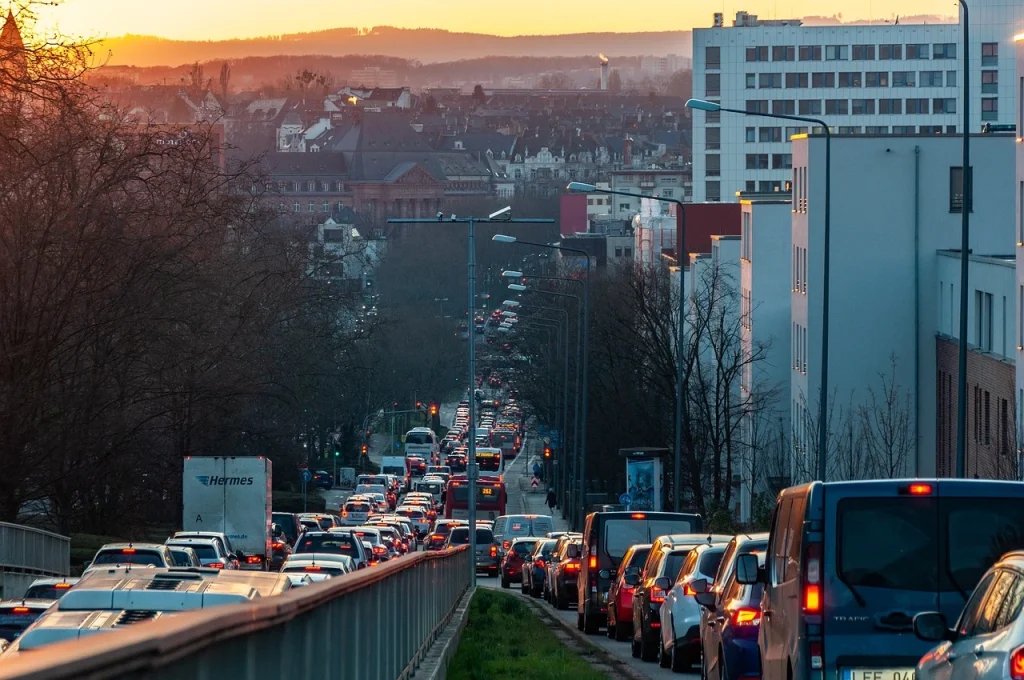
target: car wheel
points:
(664, 660)
(561, 601)
(523, 588)
(635, 647)
(621, 632)
(648, 651)
(535, 591)
(703, 668)
(505, 582)
(590, 625)
(579, 621)
(492, 573)
(678, 663)
(611, 630)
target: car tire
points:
(634, 647)
(611, 630)
(492, 572)
(648, 650)
(664, 660)
(579, 621)
(621, 632)
(590, 625)
(535, 592)
(561, 601)
(505, 583)
(679, 664)
(523, 587)
(703, 668)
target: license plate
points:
(878, 674)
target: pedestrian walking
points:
(552, 501)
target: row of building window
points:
(760, 161)
(799, 270)
(799, 192)
(764, 186)
(867, 107)
(833, 79)
(854, 52)
(799, 343)
(312, 186)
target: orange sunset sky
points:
(218, 19)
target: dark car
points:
(323, 479)
(535, 566)
(17, 615)
(486, 547)
(512, 562)
(620, 595)
(729, 627)
(865, 557)
(280, 548)
(563, 581)
(289, 523)
(606, 538)
(656, 578)
(334, 542)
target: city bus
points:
(490, 460)
(490, 497)
(506, 439)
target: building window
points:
(803, 263)
(890, 51)
(876, 79)
(311, 186)
(796, 269)
(944, 105)
(810, 52)
(796, 80)
(311, 207)
(956, 191)
(757, 54)
(849, 129)
(712, 84)
(786, 107)
(850, 79)
(864, 52)
(751, 81)
(863, 107)
(917, 51)
(823, 79)
(810, 107)
(903, 129)
(987, 418)
(890, 106)
(782, 161)
(666, 193)
(712, 57)
(790, 131)
(713, 190)
(751, 134)
(713, 116)
(770, 81)
(950, 129)
(757, 106)
(989, 108)
(930, 78)
(327, 206)
(712, 137)
(783, 53)
(983, 320)
(989, 54)
(618, 251)
(989, 82)
(837, 107)
(750, 186)
(628, 251)
(837, 52)
(944, 51)
(904, 79)
(757, 161)
(917, 106)
(296, 207)
(745, 236)
(929, 129)
(712, 164)
(876, 130)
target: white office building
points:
(896, 201)
(888, 79)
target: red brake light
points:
(277, 545)
(540, 563)
(62, 586)
(657, 595)
(746, 616)
(919, 489)
(253, 559)
(494, 551)
(1017, 664)
(312, 567)
(20, 610)
(572, 566)
(812, 598)
(128, 551)
(593, 561)
(638, 515)
(216, 565)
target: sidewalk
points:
(526, 499)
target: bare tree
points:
(889, 430)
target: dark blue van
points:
(849, 564)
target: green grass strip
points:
(505, 639)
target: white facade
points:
(861, 79)
(892, 209)
(661, 183)
(991, 317)
(654, 232)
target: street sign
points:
(625, 499)
(547, 440)
(306, 475)
(533, 483)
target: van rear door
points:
(881, 567)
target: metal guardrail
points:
(374, 624)
(27, 553)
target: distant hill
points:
(423, 45)
(837, 20)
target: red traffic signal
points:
(419, 404)
(433, 409)
(547, 451)
(365, 449)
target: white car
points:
(208, 550)
(318, 566)
(417, 515)
(355, 512)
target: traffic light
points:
(337, 453)
(419, 404)
(433, 409)
(547, 452)
(365, 450)
(395, 404)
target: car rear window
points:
(357, 507)
(888, 543)
(13, 624)
(523, 547)
(674, 560)
(339, 545)
(314, 569)
(460, 536)
(119, 557)
(638, 558)
(205, 552)
(620, 534)
(709, 562)
(411, 513)
(46, 592)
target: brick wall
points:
(991, 436)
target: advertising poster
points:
(641, 481)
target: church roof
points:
(12, 46)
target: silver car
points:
(680, 612)
(987, 642)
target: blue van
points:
(849, 564)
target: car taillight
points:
(312, 567)
(344, 513)
(746, 616)
(61, 586)
(253, 559)
(572, 566)
(812, 579)
(1017, 664)
(128, 551)
(506, 544)
(540, 564)
(593, 561)
(494, 551)
(20, 610)
(216, 565)
(687, 590)
(657, 595)
(379, 550)
(277, 545)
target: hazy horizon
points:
(245, 19)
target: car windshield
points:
(339, 544)
(943, 544)
(122, 557)
(357, 507)
(620, 534)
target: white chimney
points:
(604, 71)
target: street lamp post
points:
(681, 253)
(502, 238)
(967, 189)
(702, 105)
(471, 467)
(580, 324)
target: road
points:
(521, 499)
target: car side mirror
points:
(662, 582)
(932, 627)
(746, 569)
(699, 586)
(573, 552)
(240, 556)
(706, 600)
(631, 579)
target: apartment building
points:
(879, 79)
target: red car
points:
(512, 562)
(434, 542)
(563, 581)
(620, 595)
(417, 467)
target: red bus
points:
(490, 498)
(507, 440)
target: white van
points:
(422, 442)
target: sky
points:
(220, 19)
